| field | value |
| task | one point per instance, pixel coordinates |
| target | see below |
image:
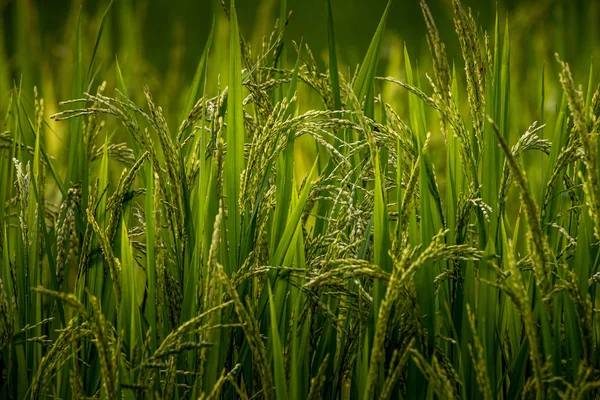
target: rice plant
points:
(281, 230)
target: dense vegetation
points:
(295, 233)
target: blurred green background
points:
(171, 34)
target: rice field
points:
(284, 225)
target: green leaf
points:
(294, 218)
(368, 68)
(152, 312)
(120, 81)
(430, 215)
(88, 77)
(278, 351)
(234, 161)
(285, 163)
(381, 234)
(132, 289)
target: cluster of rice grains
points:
(223, 264)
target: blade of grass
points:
(88, 77)
(277, 352)
(285, 164)
(234, 162)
